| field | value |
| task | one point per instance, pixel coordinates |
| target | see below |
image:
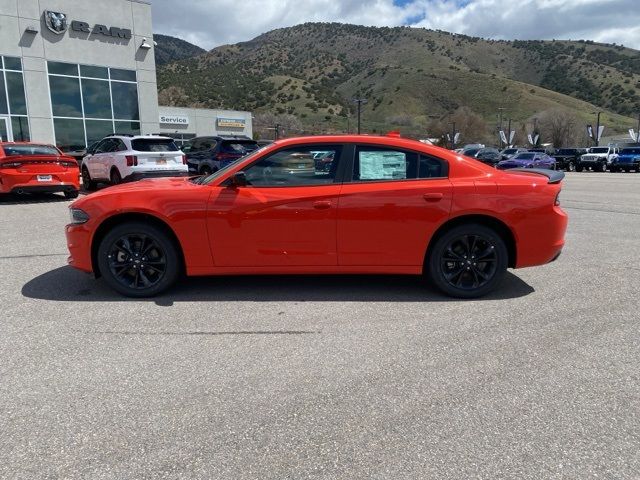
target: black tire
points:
(88, 184)
(148, 266)
(71, 194)
(571, 167)
(613, 169)
(602, 167)
(114, 177)
(451, 270)
(579, 168)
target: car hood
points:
(169, 184)
(516, 162)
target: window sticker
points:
(383, 165)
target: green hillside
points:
(313, 70)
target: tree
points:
(559, 127)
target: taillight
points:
(69, 164)
(132, 160)
(184, 159)
(11, 165)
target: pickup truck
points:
(568, 158)
(597, 159)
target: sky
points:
(210, 23)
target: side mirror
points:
(239, 179)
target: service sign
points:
(230, 122)
(174, 119)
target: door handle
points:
(432, 197)
(322, 204)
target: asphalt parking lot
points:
(325, 377)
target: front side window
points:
(294, 167)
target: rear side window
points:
(384, 164)
(241, 148)
(28, 150)
(154, 145)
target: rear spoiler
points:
(554, 176)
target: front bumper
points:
(79, 246)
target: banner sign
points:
(503, 137)
(230, 122)
(511, 136)
(533, 140)
(634, 136)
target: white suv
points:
(119, 158)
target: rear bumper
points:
(16, 182)
(155, 174)
(542, 239)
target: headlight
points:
(78, 216)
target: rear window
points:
(26, 150)
(154, 145)
(239, 147)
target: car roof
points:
(137, 137)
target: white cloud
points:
(210, 23)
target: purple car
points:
(528, 160)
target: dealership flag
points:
(600, 130)
(511, 135)
(456, 137)
(503, 137)
(590, 132)
(533, 140)
(634, 136)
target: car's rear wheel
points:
(579, 168)
(468, 261)
(115, 178)
(138, 259)
(89, 185)
(71, 194)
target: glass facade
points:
(89, 102)
(13, 101)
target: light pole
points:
(360, 101)
(597, 132)
(453, 136)
(500, 109)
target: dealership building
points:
(74, 71)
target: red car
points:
(386, 205)
(37, 168)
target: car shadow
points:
(27, 198)
(66, 284)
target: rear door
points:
(157, 153)
(391, 207)
(96, 162)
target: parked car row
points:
(598, 159)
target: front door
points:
(391, 207)
(5, 130)
(285, 216)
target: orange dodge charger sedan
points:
(36, 168)
(385, 205)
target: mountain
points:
(170, 49)
(313, 71)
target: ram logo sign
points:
(57, 22)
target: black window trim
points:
(348, 175)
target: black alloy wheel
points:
(603, 167)
(89, 185)
(115, 177)
(70, 194)
(468, 261)
(571, 167)
(138, 259)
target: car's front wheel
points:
(571, 167)
(138, 259)
(468, 261)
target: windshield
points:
(217, 174)
(471, 152)
(27, 150)
(154, 145)
(525, 156)
(599, 150)
(566, 151)
(630, 151)
(509, 151)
